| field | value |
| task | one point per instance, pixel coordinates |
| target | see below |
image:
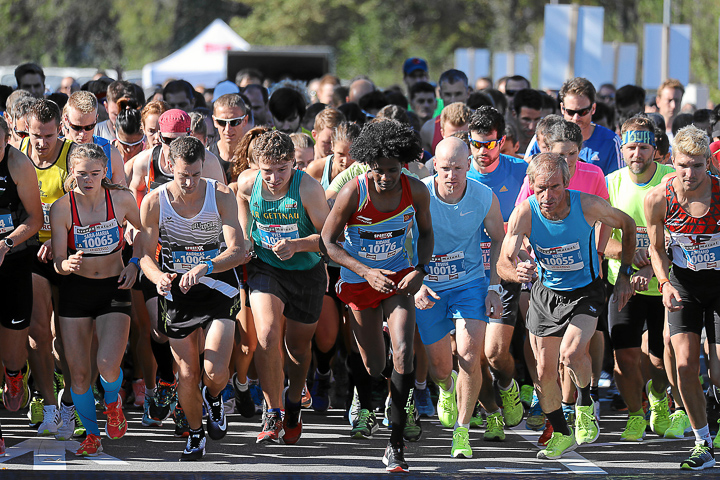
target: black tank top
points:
(226, 166)
(12, 211)
(156, 177)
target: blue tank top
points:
(565, 249)
(457, 255)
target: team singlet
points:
(694, 241)
(377, 239)
(98, 239)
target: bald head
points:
(358, 88)
(451, 149)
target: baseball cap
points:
(715, 149)
(223, 88)
(174, 121)
(414, 63)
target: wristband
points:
(209, 266)
(135, 261)
(661, 282)
(497, 289)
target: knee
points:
(248, 343)
(298, 350)
(105, 367)
(375, 366)
(189, 373)
(40, 332)
(440, 368)
(570, 358)
(80, 378)
(687, 369)
(403, 356)
(268, 339)
(547, 376)
(216, 374)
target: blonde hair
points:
(83, 101)
(456, 114)
(671, 83)
(93, 152)
(302, 140)
(691, 141)
(328, 118)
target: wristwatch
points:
(422, 268)
(497, 289)
(9, 243)
(626, 270)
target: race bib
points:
(563, 258)
(701, 252)
(443, 268)
(98, 239)
(641, 235)
(187, 257)
(46, 217)
(6, 223)
(271, 234)
(380, 246)
(485, 246)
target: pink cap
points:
(174, 121)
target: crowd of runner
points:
(238, 249)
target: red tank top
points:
(98, 239)
(677, 220)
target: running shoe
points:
(635, 429)
(244, 404)
(365, 424)
(424, 403)
(138, 387)
(716, 441)
(388, 408)
(494, 430)
(536, 418)
(116, 426)
(79, 427)
(587, 429)
(660, 410)
(51, 421)
(558, 446)
(546, 434)
(679, 425)
(292, 425)
(394, 460)
(447, 408)
(35, 414)
(58, 383)
(307, 400)
(569, 413)
(413, 429)
(67, 416)
(16, 392)
(596, 405)
(272, 430)
(182, 427)
(526, 395)
(354, 408)
(320, 391)
(227, 395)
(216, 419)
(461, 443)
(477, 417)
(147, 420)
(165, 399)
(195, 447)
(512, 409)
(701, 457)
(90, 447)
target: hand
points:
(493, 305)
(284, 249)
(128, 276)
(130, 233)
(623, 291)
(192, 277)
(73, 262)
(671, 298)
(377, 279)
(249, 251)
(526, 271)
(45, 252)
(640, 259)
(410, 283)
(165, 283)
(422, 298)
(640, 281)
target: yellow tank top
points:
(51, 182)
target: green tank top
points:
(628, 196)
(283, 218)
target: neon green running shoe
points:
(35, 414)
(512, 409)
(413, 429)
(660, 410)
(587, 429)
(447, 405)
(679, 425)
(634, 430)
(494, 431)
(557, 446)
(526, 395)
(461, 443)
(477, 417)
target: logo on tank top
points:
(290, 203)
(42, 193)
(204, 226)
(369, 221)
(407, 217)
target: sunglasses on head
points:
(234, 122)
(580, 113)
(78, 128)
(489, 144)
(130, 144)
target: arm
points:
(655, 210)
(59, 222)
(118, 167)
(212, 168)
(412, 282)
(495, 228)
(148, 240)
(123, 199)
(137, 174)
(519, 227)
(25, 178)
(316, 167)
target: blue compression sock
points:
(112, 388)
(85, 407)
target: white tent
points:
(202, 61)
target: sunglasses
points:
(130, 144)
(511, 93)
(580, 113)
(234, 122)
(20, 133)
(490, 144)
(77, 128)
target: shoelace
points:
(497, 420)
(113, 413)
(462, 440)
(216, 409)
(194, 441)
(698, 450)
(363, 418)
(270, 421)
(14, 384)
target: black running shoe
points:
(244, 404)
(195, 447)
(216, 420)
(394, 460)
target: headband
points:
(638, 136)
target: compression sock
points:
(85, 407)
(163, 357)
(112, 388)
(323, 359)
(584, 399)
(400, 386)
(361, 379)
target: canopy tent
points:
(203, 61)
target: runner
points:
(231, 117)
(87, 247)
(195, 220)
(687, 205)
(448, 301)
(559, 224)
(283, 210)
(376, 211)
(627, 188)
